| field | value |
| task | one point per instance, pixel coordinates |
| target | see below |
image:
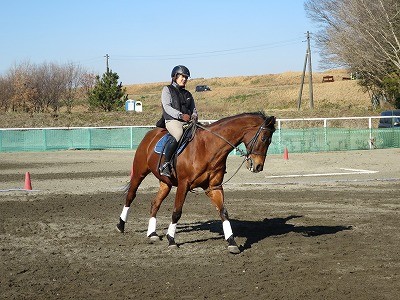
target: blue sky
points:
(146, 39)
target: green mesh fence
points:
(71, 138)
(295, 140)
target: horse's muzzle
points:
(254, 167)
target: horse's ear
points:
(272, 120)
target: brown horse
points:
(201, 164)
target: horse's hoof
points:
(171, 242)
(232, 246)
(121, 226)
(154, 238)
(233, 249)
(119, 229)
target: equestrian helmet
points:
(180, 70)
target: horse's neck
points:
(227, 134)
(234, 129)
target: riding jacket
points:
(176, 101)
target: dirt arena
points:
(316, 226)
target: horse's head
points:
(257, 143)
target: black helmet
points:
(180, 70)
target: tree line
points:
(363, 36)
(360, 35)
(47, 87)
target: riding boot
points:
(170, 148)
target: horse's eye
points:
(265, 139)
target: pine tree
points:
(107, 94)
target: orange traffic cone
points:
(285, 154)
(28, 184)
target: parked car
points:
(390, 122)
(389, 133)
(202, 88)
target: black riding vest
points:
(181, 100)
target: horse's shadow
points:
(256, 231)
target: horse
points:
(202, 164)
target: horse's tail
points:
(125, 187)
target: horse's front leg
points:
(217, 198)
(163, 192)
(180, 197)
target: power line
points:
(210, 53)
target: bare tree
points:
(88, 82)
(25, 94)
(39, 88)
(51, 82)
(6, 92)
(363, 36)
(73, 82)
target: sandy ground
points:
(316, 226)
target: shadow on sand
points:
(255, 231)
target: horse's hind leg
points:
(163, 192)
(136, 180)
(217, 198)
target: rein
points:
(245, 155)
(221, 137)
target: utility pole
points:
(107, 58)
(307, 59)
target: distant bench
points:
(327, 79)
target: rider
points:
(178, 108)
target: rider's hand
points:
(185, 117)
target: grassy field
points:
(276, 94)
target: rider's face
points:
(181, 80)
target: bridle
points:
(253, 141)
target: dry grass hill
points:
(276, 94)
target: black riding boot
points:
(170, 148)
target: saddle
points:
(187, 136)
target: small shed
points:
(130, 105)
(138, 106)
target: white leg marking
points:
(124, 214)
(226, 225)
(171, 230)
(152, 226)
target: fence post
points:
(280, 134)
(325, 135)
(44, 139)
(370, 133)
(90, 138)
(131, 131)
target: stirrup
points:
(166, 169)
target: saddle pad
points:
(161, 143)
